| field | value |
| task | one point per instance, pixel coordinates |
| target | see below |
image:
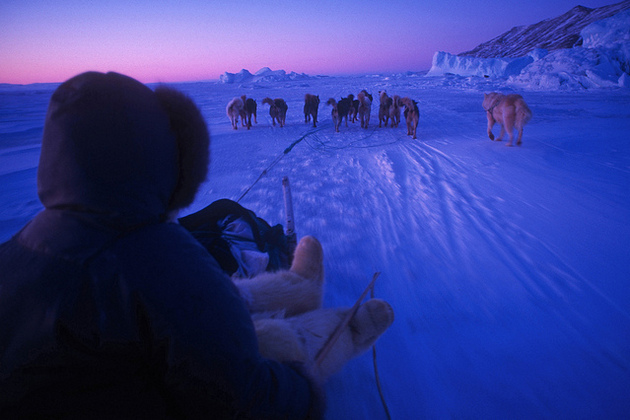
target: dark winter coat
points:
(108, 311)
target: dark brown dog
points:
(311, 107)
(248, 110)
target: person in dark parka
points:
(107, 309)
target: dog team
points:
(510, 111)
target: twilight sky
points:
(186, 40)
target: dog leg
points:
(510, 137)
(509, 127)
(501, 133)
(490, 125)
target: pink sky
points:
(160, 41)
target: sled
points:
(243, 243)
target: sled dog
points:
(339, 111)
(365, 108)
(277, 110)
(412, 115)
(394, 111)
(334, 113)
(354, 108)
(311, 105)
(383, 108)
(344, 106)
(510, 111)
(249, 109)
(233, 110)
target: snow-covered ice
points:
(507, 267)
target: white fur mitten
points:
(300, 338)
(288, 292)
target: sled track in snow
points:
(461, 203)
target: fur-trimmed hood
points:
(117, 149)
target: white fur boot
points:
(288, 292)
(300, 338)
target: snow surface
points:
(507, 268)
(603, 60)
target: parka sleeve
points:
(198, 328)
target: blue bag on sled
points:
(242, 243)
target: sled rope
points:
(376, 375)
(323, 352)
(275, 162)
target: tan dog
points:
(365, 108)
(412, 115)
(510, 111)
(233, 110)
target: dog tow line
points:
(276, 160)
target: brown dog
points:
(311, 107)
(510, 111)
(354, 108)
(248, 110)
(383, 108)
(394, 111)
(412, 115)
(277, 110)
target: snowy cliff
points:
(550, 34)
(601, 60)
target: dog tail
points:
(236, 103)
(363, 99)
(524, 112)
